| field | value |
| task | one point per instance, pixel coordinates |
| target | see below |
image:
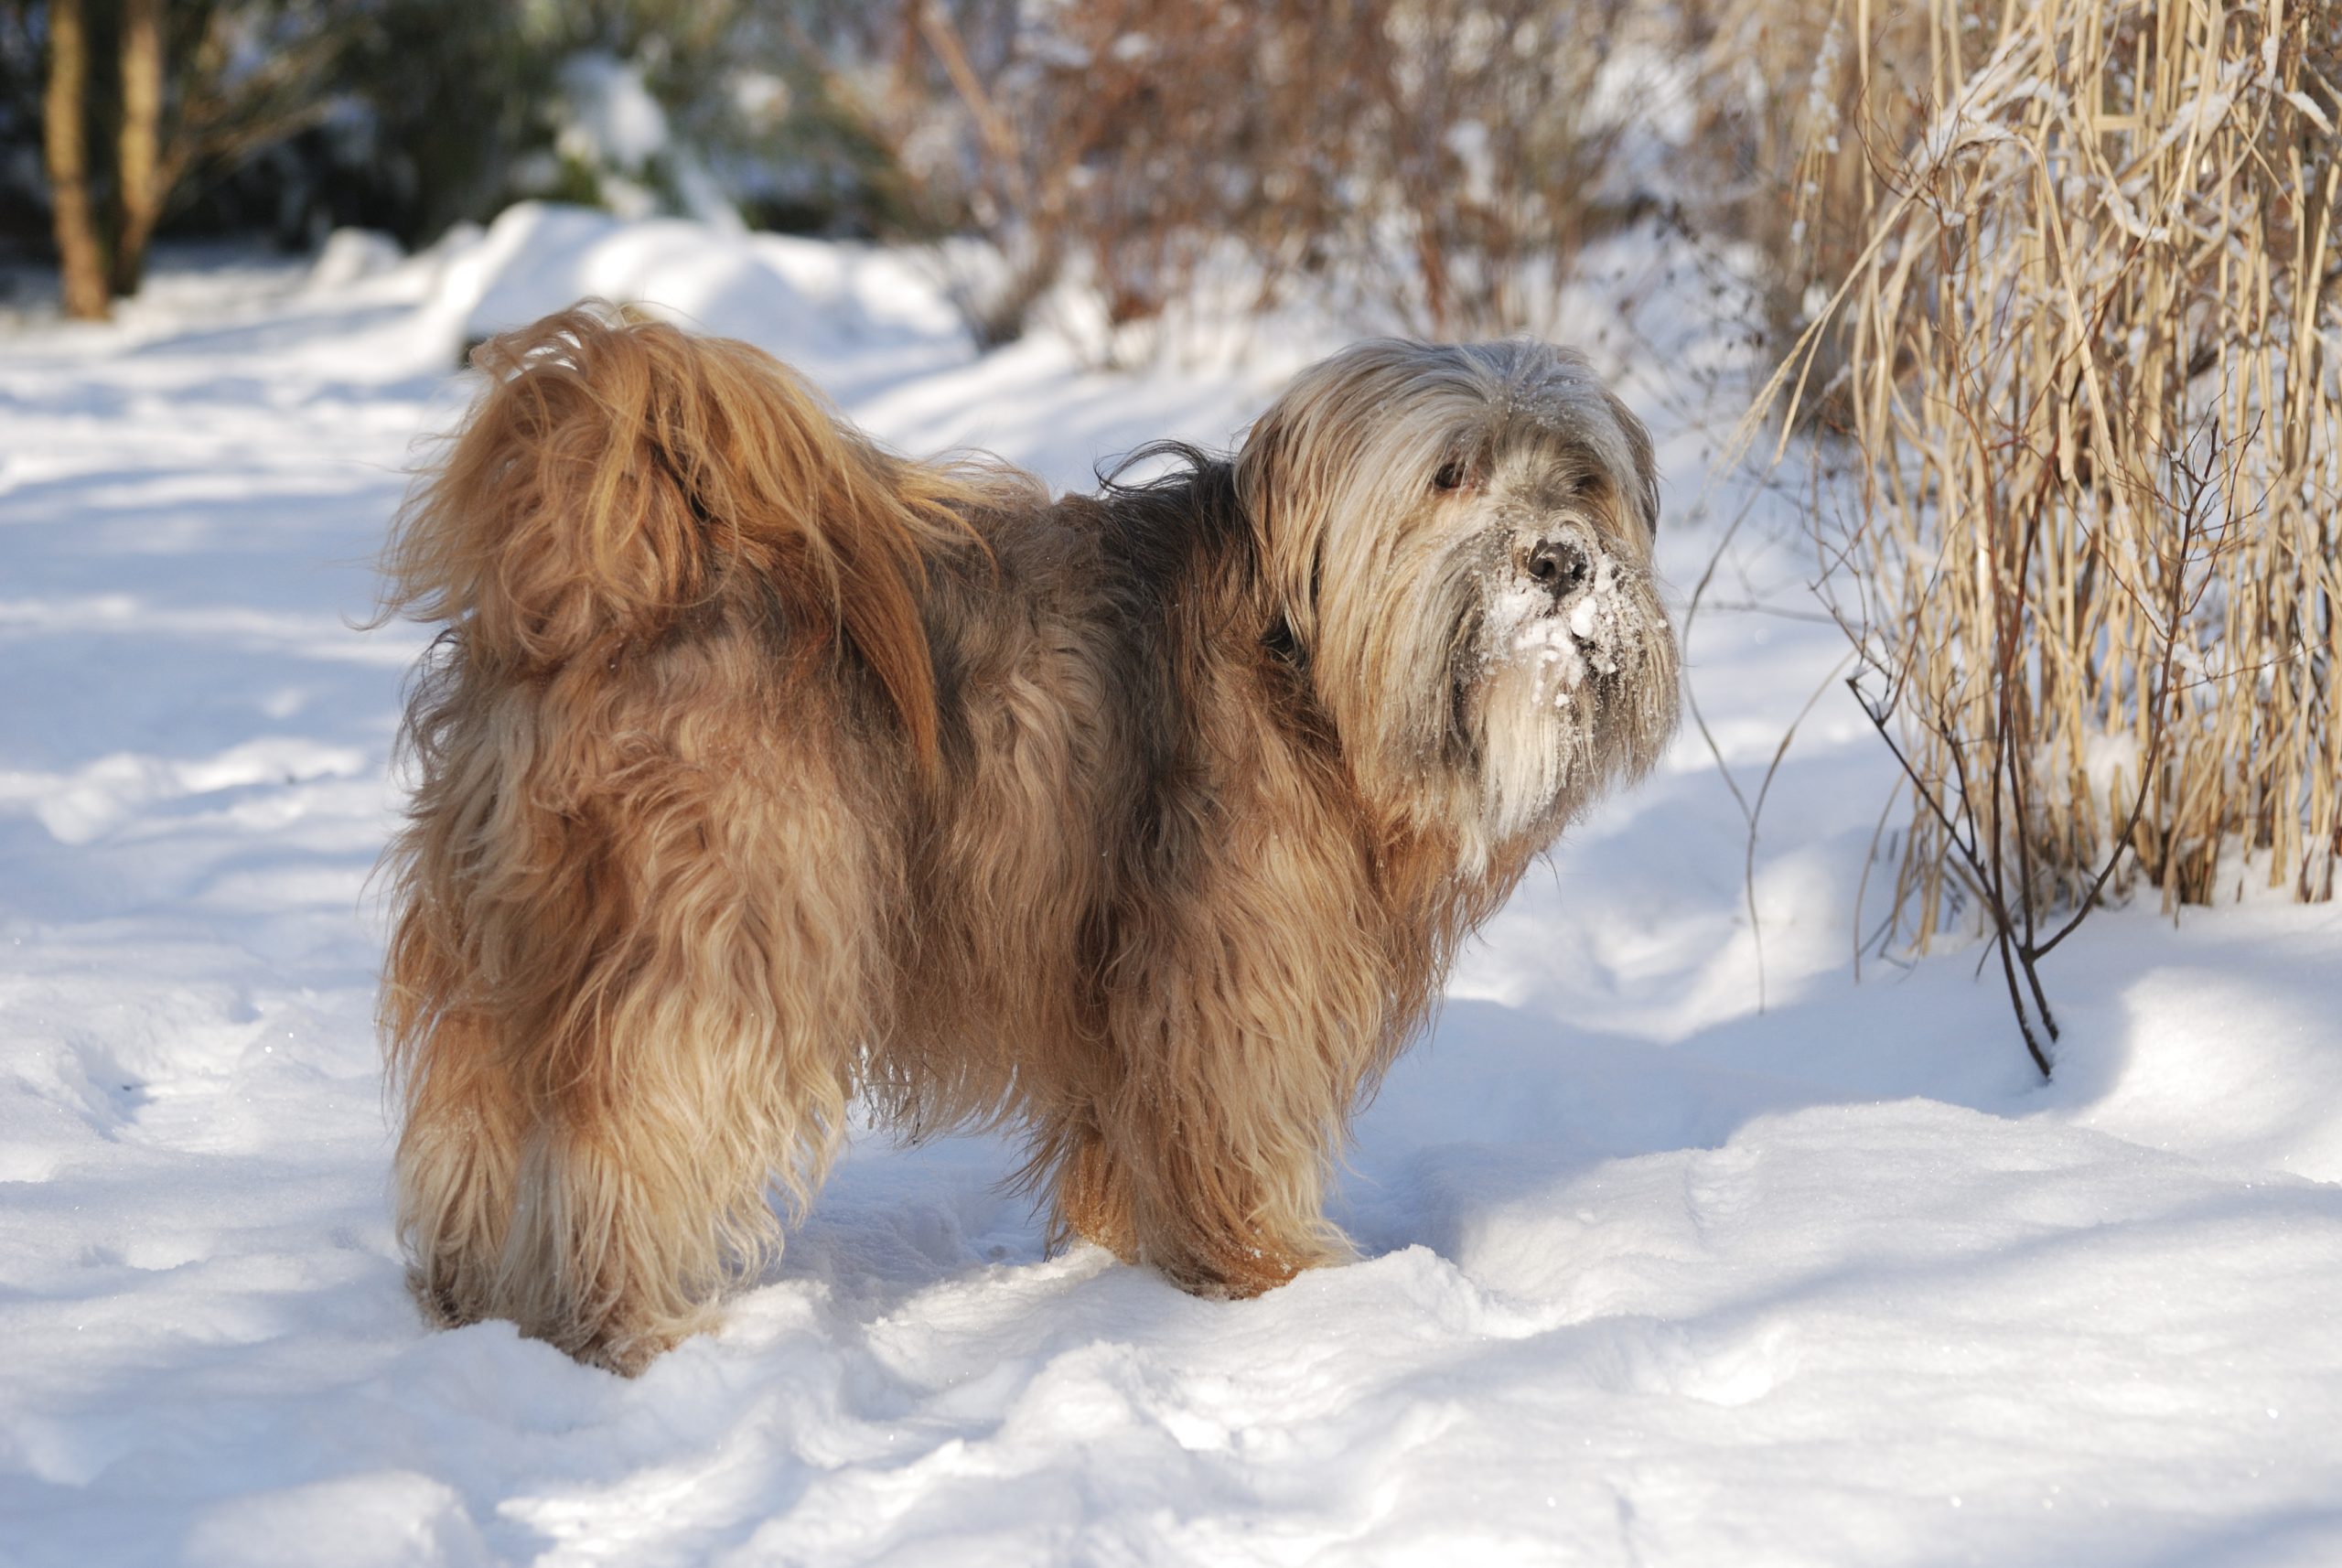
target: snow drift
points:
(1652, 1277)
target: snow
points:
(1648, 1275)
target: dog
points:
(757, 768)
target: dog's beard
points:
(1511, 712)
(1560, 701)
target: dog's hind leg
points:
(670, 950)
(458, 1162)
(1091, 1196)
(724, 972)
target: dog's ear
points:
(1645, 488)
(1284, 507)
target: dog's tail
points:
(615, 473)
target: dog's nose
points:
(1559, 567)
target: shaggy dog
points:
(758, 768)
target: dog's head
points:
(1460, 538)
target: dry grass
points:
(2089, 350)
(1782, 87)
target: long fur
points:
(757, 768)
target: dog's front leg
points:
(1225, 1190)
(1216, 1148)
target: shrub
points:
(2090, 344)
(1432, 167)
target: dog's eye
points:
(1451, 477)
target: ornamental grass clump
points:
(2089, 350)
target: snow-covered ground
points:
(1650, 1276)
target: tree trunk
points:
(83, 270)
(137, 160)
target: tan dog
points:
(759, 767)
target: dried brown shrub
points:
(1438, 165)
(2093, 359)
